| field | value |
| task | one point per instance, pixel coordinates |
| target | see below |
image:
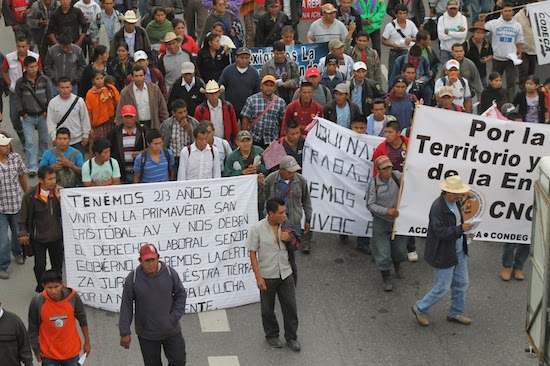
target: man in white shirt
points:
(460, 85)
(452, 27)
(221, 144)
(199, 160)
(506, 40)
(90, 9)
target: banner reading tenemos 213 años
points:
(305, 55)
(337, 165)
(496, 158)
(199, 228)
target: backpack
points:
(431, 27)
(211, 151)
(388, 103)
(144, 158)
(65, 177)
(90, 166)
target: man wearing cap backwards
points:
(241, 79)
(187, 88)
(146, 97)
(506, 38)
(342, 110)
(460, 85)
(289, 185)
(452, 28)
(219, 112)
(321, 94)
(363, 52)
(270, 24)
(302, 110)
(383, 191)
(133, 35)
(446, 251)
(271, 242)
(159, 297)
(363, 90)
(327, 27)
(14, 183)
(263, 113)
(169, 63)
(127, 142)
(285, 71)
(152, 74)
(345, 62)
(446, 99)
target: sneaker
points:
(32, 174)
(421, 319)
(461, 319)
(293, 345)
(412, 256)
(387, 284)
(274, 342)
(364, 250)
(4, 274)
(19, 259)
(518, 274)
(506, 274)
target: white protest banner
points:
(539, 14)
(337, 165)
(496, 158)
(199, 228)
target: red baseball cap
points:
(128, 110)
(312, 71)
(148, 251)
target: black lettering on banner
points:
(181, 243)
(151, 230)
(190, 209)
(510, 182)
(105, 250)
(216, 288)
(331, 223)
(108, 233)
(199, 306)
(182, 260)
(225, 206)
(231, 237)
(126, 199)
(435, 173)
(103, 298)
(537, 139)
(480, 180)
(108, 282)
(232, 221)
(331, 194)
(200, 225)
(227, 190)
(110, 265)
(511, 210)
(193, 193)
(161, 195)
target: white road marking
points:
(214, 321)
(384, 71)
(223, 361)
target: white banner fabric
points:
(539, 14)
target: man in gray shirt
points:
(270, 242)
(382, 196)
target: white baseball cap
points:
(4, 141)
(140, 55)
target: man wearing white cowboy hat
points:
(169, 63)
(221, 113)
(446, 251)
(133, 35)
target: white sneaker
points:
(412, 256)
(4, 274)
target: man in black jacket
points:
(446, 251)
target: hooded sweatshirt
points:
(451, 24)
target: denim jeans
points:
(14, 115)
(7, 249)
(511, 71)
(455, 279)
(479, 7)
(70, 362)
(30, 124)
(444, 56)
(174, 349)
(514, 260)
(385, 250)
(287, 298)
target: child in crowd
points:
(531, 102)
(493, 91)
(157, 28)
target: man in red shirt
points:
(302, 110)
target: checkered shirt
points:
(268, 127)
(11, 192)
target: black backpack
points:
(431, 27)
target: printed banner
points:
(305, 55)
(199, 228)
(496, 158)
(311, 10)
(539, 14)
(337, 163)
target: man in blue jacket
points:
(160, 298)
(446, 251)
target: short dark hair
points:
(63, 131)
(514, 116)
(99, 145)
(177, 104)
(358, 120)
(408, 66)
(273, 204)
(63, 79)
(401, 7)
(201, 129)
(97, 72)
(415, 51)
(378, 101)
(287, 29)
(156, 9)
(456, 45)
(45, 170)
(207, 124)
(22, 39)
(279, 46)
(306, 84)
(362, 34)
(151, 135)
(51, 276)
(98, 50)
(507, 4)
(178, 21)
(394, 124)
(29, 60)
(291, 125)
(422, 35)
(137, 68)
(217, 24)
(64, 39)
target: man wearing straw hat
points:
(135, 36)
(446, 251)
(170, 62)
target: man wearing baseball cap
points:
(345, 62)
(321, 94)
(331, 76)
(342, 110)
(327, 27)
(363, 90)
(446, 98)
(446, 251)
(460, 85)
(187, 88)
(159, 298)
(285, 71)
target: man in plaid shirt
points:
(13, 183)
(263, 113)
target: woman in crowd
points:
(187, 43)
(98, 62)
(531, 102)
(211, 60)
(121, 66)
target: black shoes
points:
(293, 345)
(274, 342)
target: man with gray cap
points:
(289, 185)
(188, 88)
(344, 61)
(342, 110)
(446, 251)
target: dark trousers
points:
(511, 75)
(285, 290)
(174, 349)
(375, 42)
(526, 69)
(56, 252)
